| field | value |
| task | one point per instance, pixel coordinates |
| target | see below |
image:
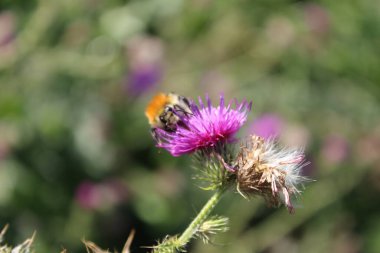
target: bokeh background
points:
(76, 156)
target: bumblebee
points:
(166, 110)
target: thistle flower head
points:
(211, 172)
(206, 128)
(265, 169)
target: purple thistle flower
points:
(207, 127)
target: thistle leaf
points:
(212, 226)
(170, 244)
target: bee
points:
(166, 110)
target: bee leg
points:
(185, 100)
(178, 108)
(153, 132)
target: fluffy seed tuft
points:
(266, 170)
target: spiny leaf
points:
(170, 244)
(212, 226)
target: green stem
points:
(201, 217)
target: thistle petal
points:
(206, 128)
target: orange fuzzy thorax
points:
(155, 107)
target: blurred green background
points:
(76, 156)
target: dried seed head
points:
(266, 170)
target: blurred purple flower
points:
(7, 28)
(143, 79)
(334, 149)
(91, 195)
(266, 126)
(206, 128)
(145, 58)
(317, 19)
(86, 195)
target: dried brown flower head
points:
(264, 169)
